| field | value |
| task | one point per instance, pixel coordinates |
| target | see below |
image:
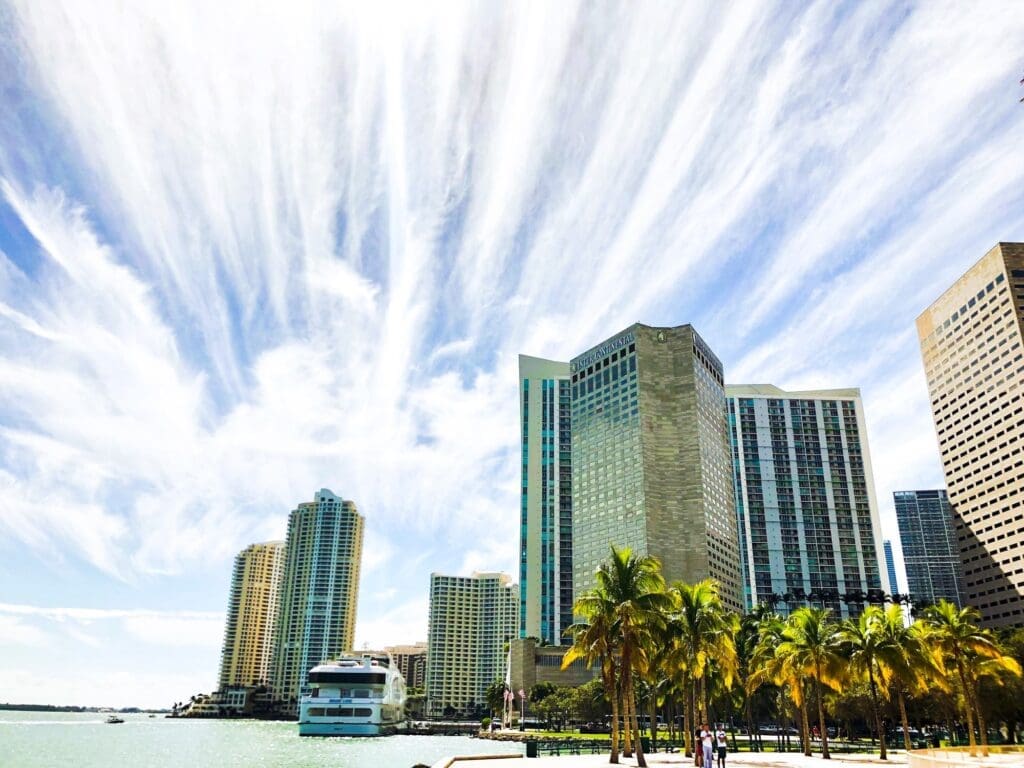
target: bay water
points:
(84, 740)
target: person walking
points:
(722, 745)
(707, 740)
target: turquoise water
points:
(49, 740)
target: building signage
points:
(599, 352)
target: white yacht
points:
(357, 695)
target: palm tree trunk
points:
(821, 717)
(748, 713)
(693, 726)
(654, 721)
(624, 688)
(968, 707)
(687, 719)
(878, 714)
(805, 726)
(640, 760)
(613, 697)
(903, 718)
(982, 729)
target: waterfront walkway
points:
(735, 760)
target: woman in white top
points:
(722, 747)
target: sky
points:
(251, 250)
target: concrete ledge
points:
(447, 762)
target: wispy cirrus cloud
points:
(246, 253)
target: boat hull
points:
(346, 729)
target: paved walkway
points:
(735, 760)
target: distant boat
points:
(114, 720)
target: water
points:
(50, 739)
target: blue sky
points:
(249, 252)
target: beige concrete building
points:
(319, 593)
(411, 661)
(651, 464)
(471, 619)
(531, 663)
(252, 616)
(972, 342)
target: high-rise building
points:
(252, 616)
(650, 453)
(471, 619)
(411, 661)
(930, 554)
(805, 497)
(545, 530)
(890, 566)
(972, 342)
(319, 592)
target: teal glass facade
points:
(546, 507)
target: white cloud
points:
(270, 252)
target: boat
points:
(113, 720)
(356, 695)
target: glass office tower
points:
(930, 554)
(890, 566)
(650, 455)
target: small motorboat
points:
(113, 720)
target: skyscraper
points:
(805, 496)
(545, 531)
(650, 454)
(471, 619)
(411, 661)
(319, 592)
(972, 342)
(252, 615)
(890, 567)
(930, 555)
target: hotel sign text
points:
(604, 349)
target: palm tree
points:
(872, 655)
(701, 631)
(996, 669)
(594, 642)
(636, 588)
(910, 663)
(962, 644)
(770, 665)
(811, 646)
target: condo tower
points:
(545, 531)
(252, 616)
(319, 593)
(805, 498)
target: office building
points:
(531, 663)
(650, 453)
(545, 530)
(930, 554)
(805, 498)
(319, 592)
(411, 661)
(972, 343)
(252, 616)
(890, 567)
(471, 619)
